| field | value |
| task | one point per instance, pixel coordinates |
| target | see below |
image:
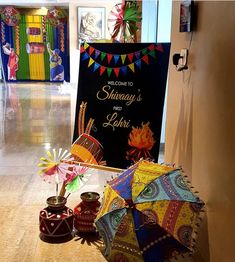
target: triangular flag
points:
(124, 69)
(145, 59)
(91, 50)
(130, 56)
(138, 63)
(103, 55)
(132, 67)
(123, 57)
(151, 47)
(116, 58)
(109, 71)
(85, 56)
(109, 56)
(82, 49)
(102, 69)
(159, 48)
(137, 55)
(91, 61)
(144, 51)
(152, 53)
(116, 71)
(86, 45)
(96, 66)
(97, 53)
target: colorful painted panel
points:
(34, 49)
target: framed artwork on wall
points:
(91, 24)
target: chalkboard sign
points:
(123, 87)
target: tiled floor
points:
(33, 118)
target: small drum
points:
(33, 31)
(87, 149)
(35, 48)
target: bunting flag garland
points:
(134, 61)
(102, 69)
(91, 61)
(132, 67)
(137, 55)
(82, 49)
(103, 55)
(116, 71)
(109, 56)
(124, 70)
(109, 71)
(96, 66)
(130, 57)
(152, 53)
(123, 57)
(91, 50)
(159, 48)
(145, 59)
(151, 47)
(116, 58)
(144, 51)
(97, 53)
(85, 56)
(138, 63)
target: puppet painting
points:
(12, 64)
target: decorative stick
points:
(89, 126)
(104, 168)
(62, 190)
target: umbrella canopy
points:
(10, 15)
(149, 214)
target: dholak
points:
(33, 31)
(87, 149)
(35, 48)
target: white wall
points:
(73, 29)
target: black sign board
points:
(124, 88)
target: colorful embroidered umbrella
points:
(10, 16)
(56, 16)
(148, 214)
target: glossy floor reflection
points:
(33, 118)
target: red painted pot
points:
(56, 221)
(86, 211)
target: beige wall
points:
(200, 121)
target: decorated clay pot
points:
(56, 221)
(86, 211)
